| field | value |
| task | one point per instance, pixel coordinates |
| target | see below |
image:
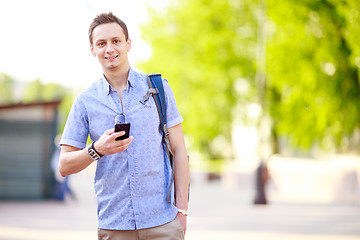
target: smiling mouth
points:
(111, 58)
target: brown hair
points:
(107, 18)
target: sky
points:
(48, 39)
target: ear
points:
(92, 50)
(128, 45)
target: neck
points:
(118, 79)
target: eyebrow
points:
(110, 39)
(101, 40)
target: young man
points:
(132, 175)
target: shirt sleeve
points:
(172, 113)
(77, 126)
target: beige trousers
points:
(170, 231)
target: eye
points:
(100, 44)
(116, 41)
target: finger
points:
(124, 144)
(118, 134)
(125, 141)
(110, 131)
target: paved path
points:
(216, 213)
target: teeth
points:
(111, 58)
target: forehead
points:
(108, 31)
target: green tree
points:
(204, 47)
(6, 88)
(33, 92)
(37, 91)
(313, 92)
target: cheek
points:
(98, 54)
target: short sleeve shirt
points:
(130, 186)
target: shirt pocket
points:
(144, 116)
(148, 109)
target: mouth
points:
(112, 57)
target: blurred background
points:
(270, 94)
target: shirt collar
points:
(131, 78)
(107, 87)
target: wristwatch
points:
(183, 212)
(93, 153)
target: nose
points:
(109, 48)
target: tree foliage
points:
(206, 48)
(203, 47)
(37, 91)
(313, 92)
(6, 88)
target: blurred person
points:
(61, 186)
(132, 175)
(262, 177)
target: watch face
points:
(93, 154)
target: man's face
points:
(110, 46)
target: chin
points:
(112, 67)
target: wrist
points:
(94, 155)
(184, 212)
(96, 148)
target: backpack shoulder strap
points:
(156, 89)
(155, 81)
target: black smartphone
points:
(122, 127)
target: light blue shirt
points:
(130, 186)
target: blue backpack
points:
(156, 89)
